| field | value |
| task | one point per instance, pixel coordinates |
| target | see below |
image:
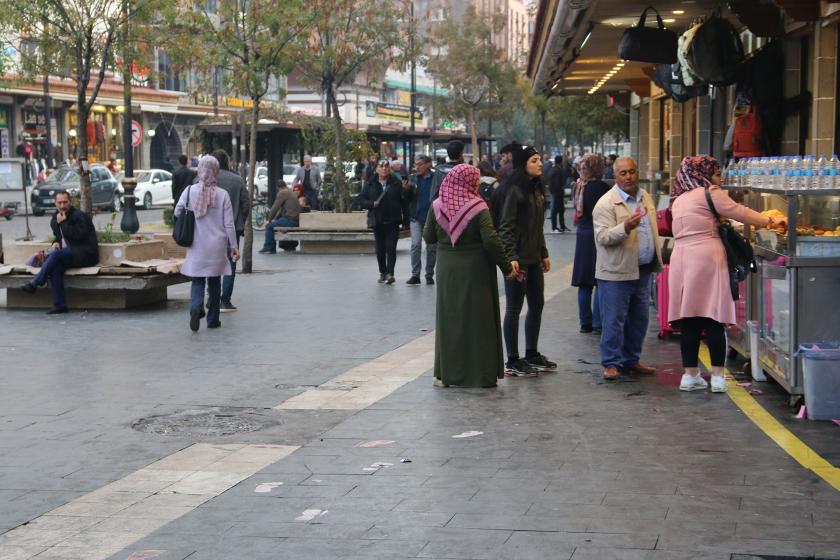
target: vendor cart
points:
(796, 294)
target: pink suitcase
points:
(665, 328)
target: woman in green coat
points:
(468, 337)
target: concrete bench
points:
(331, 242)
(100, 291)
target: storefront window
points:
(104, 135)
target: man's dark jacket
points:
(390, 210)
(238, 193)
(78, 231)
(415, 189)
(181, 179)
(556, 182)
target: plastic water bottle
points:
(773, 168)
(792, 170)
(806, 175)
(830, 173)
(820, 169)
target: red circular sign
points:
(136, 134)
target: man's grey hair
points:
(625, 158)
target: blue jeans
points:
(227, 281)
(53, 269)
(270, 244)
(417, 251)
(589, 310)
(624, 319)
(214, 288)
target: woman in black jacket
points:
(520, 225)
(384, 197)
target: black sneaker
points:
(30, 288)
(390, 279)
(541, 363)
(382, 278)
(58, 310)
(519, 368)
(586, 329)
(265, 251)
(413, 281)
(215, 325)
(430, 280)
(227, 307)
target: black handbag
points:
(740, 258)
(183, 229)
(669, 78)
(648, 44)
(716, 53)
(371, 216)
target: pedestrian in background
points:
(609, 172)
(583, 271)
(214, 241)
(181, 179)
(235, 187)
(505, 162)
(556, 187)
(309, 176)
(468, 337)
(383, 198)
(285, 212)
(700, 298)
(627, 244)
(455, 153)
(521, 231)
(489, 181)
(418, 209)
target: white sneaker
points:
(693, 382)
(718, 384)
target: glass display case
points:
(798, 283)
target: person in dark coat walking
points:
(384, 197)
(583, 271)
(556, 187)
(521, 230)
(182, 178)
(75, 246)
(234, 185)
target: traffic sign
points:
(136, 134)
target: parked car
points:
(261, 178)
(154, 188)
(105, 191)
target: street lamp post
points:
(129, 222)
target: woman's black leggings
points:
(515, 293)
(690, 330)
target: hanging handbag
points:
(183, 229)
(715, 53)
(740, 258)
(670, 78)
(371, 216)
(664, 222)
(648, 44)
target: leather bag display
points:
(670, 78)
(184, 228)
(740, 258)
(648, 44)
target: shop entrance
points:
(165, 147)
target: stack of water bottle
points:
(784, 173)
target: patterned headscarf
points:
(459, 201)
(592, 166)
(695, 171)
(208, 171)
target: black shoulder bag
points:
(184, 228)
(740, 258)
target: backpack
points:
(715, 53)
(748, 135)
(485, 190)
(670, 78)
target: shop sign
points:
(237, 102)
(136, 133)
(391, 111)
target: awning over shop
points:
(575, 42)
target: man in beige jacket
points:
(627, 243)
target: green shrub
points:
(169, 216)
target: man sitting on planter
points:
(75, 247)
(284, 212)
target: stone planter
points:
(110, 254)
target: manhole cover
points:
(205, 422)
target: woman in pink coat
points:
(207, 257)
(700, 297)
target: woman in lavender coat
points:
(207, 259)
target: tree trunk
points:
(474, 135)
(86, 202)
(248, 245)
(342, 203)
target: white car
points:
(261, 178)
(154, 188)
